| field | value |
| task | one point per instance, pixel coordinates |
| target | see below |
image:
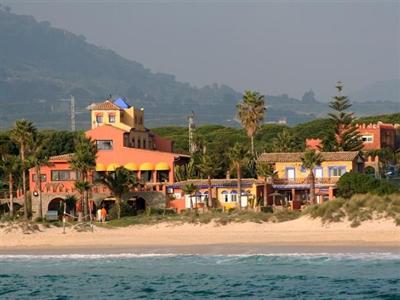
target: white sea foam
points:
(222, 258)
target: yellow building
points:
(291, 182)
(225, 191)
(117, 113)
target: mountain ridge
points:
(41, 66)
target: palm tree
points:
(37, 159)
(82, 187)
(84, 161)
(209, 167)
(190, 189)
(311, 159)
(119, 183)
(239, 157)
(185, 172)
(10, 165)
(284, 142)
(250, 112)
(268, 173)
(22, 134)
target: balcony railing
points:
(331, 180)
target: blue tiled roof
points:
(121, 103)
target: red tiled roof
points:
(63, 157)
(296, 156)
(107, 105)
(217, 182)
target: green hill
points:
(41, 66)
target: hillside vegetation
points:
(41, 66)
(225, 137)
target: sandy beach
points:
(301, 235)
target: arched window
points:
(234, 196)
(111, 118)
(225, 196)
(99, 118)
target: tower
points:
(192, 127)
(73, 122)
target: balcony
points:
(328, 180)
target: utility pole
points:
(192, 127)
(73, 121)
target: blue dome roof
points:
(121, 103)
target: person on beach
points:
(103, 214)
(98, 215)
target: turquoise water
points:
(129, 276)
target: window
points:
(104, 144)
(111, 118)
(146, 176)
(99, 119)
(234, 196)
(162, 176)
(225, 196)
(367, 138)
(290, 173)
(63, 175)
(318, 172)
(336, 171)
(42, 175)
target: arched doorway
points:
(55, 208)
(140, 204)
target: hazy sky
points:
(271, 46)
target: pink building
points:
(122, 141)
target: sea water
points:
(267, 276)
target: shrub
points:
(126, 210)
(266, 209)
(385, 188)
(357, 183)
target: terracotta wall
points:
(162, 144)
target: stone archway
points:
(150, 199)
(55, 204)
(370, 170)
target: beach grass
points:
(357, 209)
(196, 217)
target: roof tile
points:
(63, 157)
(296, 156)
(107, 105)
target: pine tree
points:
(347, 136)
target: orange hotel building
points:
(122, 140)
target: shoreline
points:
(302, 235)
(213, 249)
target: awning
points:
(146, 167)
(112, 167)
(101, 168)
(162, 166)
(131, 167)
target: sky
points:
(274, 47)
